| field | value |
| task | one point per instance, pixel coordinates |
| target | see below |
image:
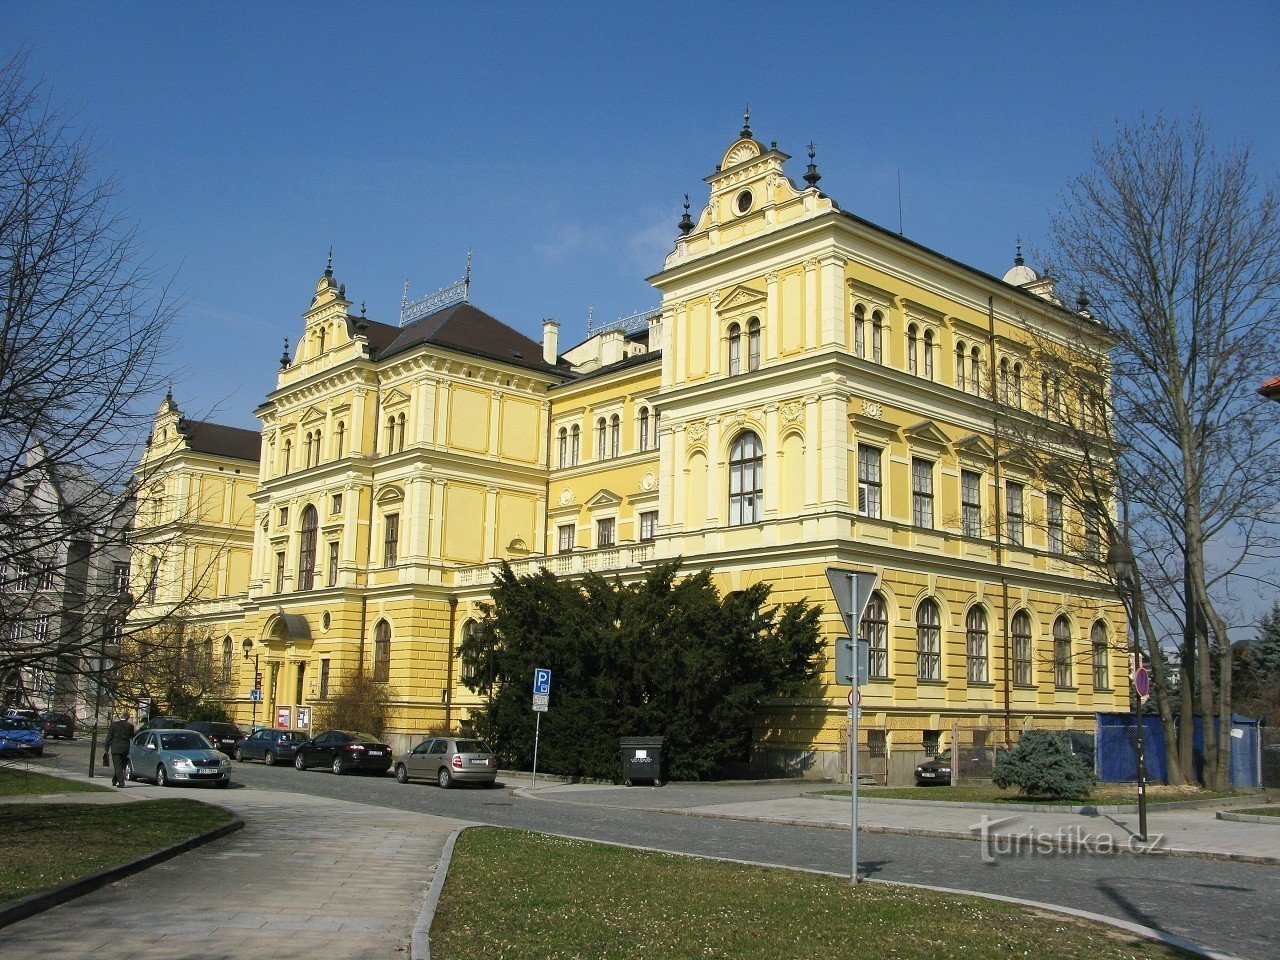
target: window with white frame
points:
(644, 428)
(562, 444)
(877, 337)
(566, 537)
(1053, 521)
(913, 358)
(869, 485)
(649, 525)
(975, 642)
(927, 351)
(602, 438)
(391, 540)
(922, 492)
(746, 479)
(735, 349)
(575, 445)
(874, 628)
(615, 435)
(753, 344)
(1013, 515)
(928, 641)
(1062, 653)
(1023, 673)
(859, 330)
(606, 532)
(971, 502)
(1101, 669)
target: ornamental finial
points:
(746, 121)
(1017, 259)
(328, 270)
(686, 223)
(284, 357)
(811, 175)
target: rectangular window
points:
(922, 492)
(932, 742)
(1023, 675)
(649, 525)
(391, 540)
(324, 679)
(1061, 662)
(859, 334)
(280, 572)
(337, 504)
(877, 339)
(333, 563)
(869, 480)
(971, 502)
(567, 538)
(877, 744)
(284, 516)
(42, 629)
(46, 580)
(1013, 512)
(606, 532)
(1101, 675)
(120, 577)
(1092, 537)
(1053, 519)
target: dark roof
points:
(222, 441)
(464, 328)
(1271, 389)
(635, 360)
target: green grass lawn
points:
(511, 894)
(1271, 811)
(17, 783)
(1108, 794)
(46, 844)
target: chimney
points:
(612, 346)
(550, 342)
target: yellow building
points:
(813, 391)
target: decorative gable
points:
(311, 415)
(926, 433)
(394, 398)
(604, 498)
(975, 447)
(741, 299)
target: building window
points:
(975, 372)
(288, 450)
(470, 634)
(927, 349)
(644, 428)
(42, 629)
(913, 359)
(1004, 380)
(23, 580)
(227, 648)
(1013, 512)
(649, 525)
(324, 679)
(753, 344)
(566, 538)
(1061, 653)
(1017, 385)
(299, 683)
(869, 489)
(961, 352)
(932, 742)
(746, 479)
(336, 505)
(877, 744)
(860, 330)
(1101, 671)
(307, 549)
(735, 349)
(975, 642)
(45, 580)
(333, 563)
(563, 439)
(340, 440)
(284, 517)
(1092, 536)
(928, 641)
(971, 502)
(280, 572)
(615, 435)
(922, 492)
(1023, 674)
(602, 438)
(606, 532)
(575, 445)
(391, 540)
(1053, 521)
(400, 421)
(877, 337)
(657, 437)
(153, 578)
(875, 630)
(382, 652)
(120, 578)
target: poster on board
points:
(284, 717)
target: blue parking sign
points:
(541, 681)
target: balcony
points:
(627, 556)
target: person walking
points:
(118, 736)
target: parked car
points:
(223, 736)
(22, 713)
(162, 722)
(343, 751)
(57, 725)
(172, 756)
(270, 745)
(449, 760)
(20, 737)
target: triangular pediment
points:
(604, 498)
(740, 298)
(394, 396)
(975, 446)
(311, 415)
(926, 431)
(1021, 459)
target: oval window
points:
(325, 620)
(744, 201)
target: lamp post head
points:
(246, 646)
(1120, 561)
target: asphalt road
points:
(1225, 905)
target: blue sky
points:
(557, 141)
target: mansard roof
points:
(220, 440)
(464, 328)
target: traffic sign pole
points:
(854, 609)
(541, 699)
(1142, 686)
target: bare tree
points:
(1178, 246)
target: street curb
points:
(36, 903)
(421, 944)
(1247, 818)
(1086, 810)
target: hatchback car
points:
(223, 736)
(343, 751)
(170, 757)
(20, 737)
(60, 725)
(448, 760)
(271, 746)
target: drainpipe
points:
(1006, 687)
(368, 543)
(448, 688)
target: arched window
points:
(657, 437)
(615, 435)
(928, 641)
(288, 449)
(1004, 379)
(563, 439)
(975, 371)
(975, 642)
(875, 630)
(575, 444)
(928, 354)
(877, 336)
(1062, 652)
(1023, 674)
(382, 652)
(961, 351)
(307, 450)
(319, 447)
(400, 421)
(859, 330)
(470, 633)
(226, 659)
(913, 359)
(746, 479)
(340, 441)
(735, 349)
(307, 549)
(321, 339)
(601, 438)
(391, 434)
(1101, 667)
(644, 428)
(208, 659)
(753, 344)
(1044, 394)
(1017, 385)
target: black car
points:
(223, 736)
(343, 751)
(270, 745)
(935, 771)
(162, 722)
(57, 725)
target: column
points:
(834, 444)
(666, 343)
(833, 302)
(772, 452)
(810, 304)
(495, 421)
(813, 441)
(715, 468)
(772, 334)
(436, 511)
(671, 460)
(491, 523)
(716, 362)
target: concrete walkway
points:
(1188, 832)
(308, 877)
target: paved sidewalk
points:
(307, 878)
(1190, 832)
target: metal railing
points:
(622, 557)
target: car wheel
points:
(626, 783)
(444, 778)
(402, 774)
(298, 763)
(128, 771)
(269, 759)
(223, 784)
(239, 755)
(338, 767)
(162, 777)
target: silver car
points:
(170, 757)
(449, 760)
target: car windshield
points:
(226, 729)
(473, 746)
(363, 737)
(944, 755)
(16, 723)
(183, 740)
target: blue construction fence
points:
(1117, 753)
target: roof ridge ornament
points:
(686, 224)
(811, 175)
(746, 122)
(456, 292)
(328, 270)
(1017, 258)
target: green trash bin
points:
(642, 760)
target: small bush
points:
(1042, 765)
(360, 703)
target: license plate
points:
(375, 753)
(928, 776)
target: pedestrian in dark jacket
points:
(118, 736)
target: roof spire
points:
(466, 277)
(328, 270)
(686, 224)
(284, 357)
(811, 175)
(1017, 259)
(746, 121)
(1082, 301)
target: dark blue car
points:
(20, 738)
(270, 745)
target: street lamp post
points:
(246, 646)
(124, 602)
(1124, 569)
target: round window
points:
(325, 620)
(743, 201)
